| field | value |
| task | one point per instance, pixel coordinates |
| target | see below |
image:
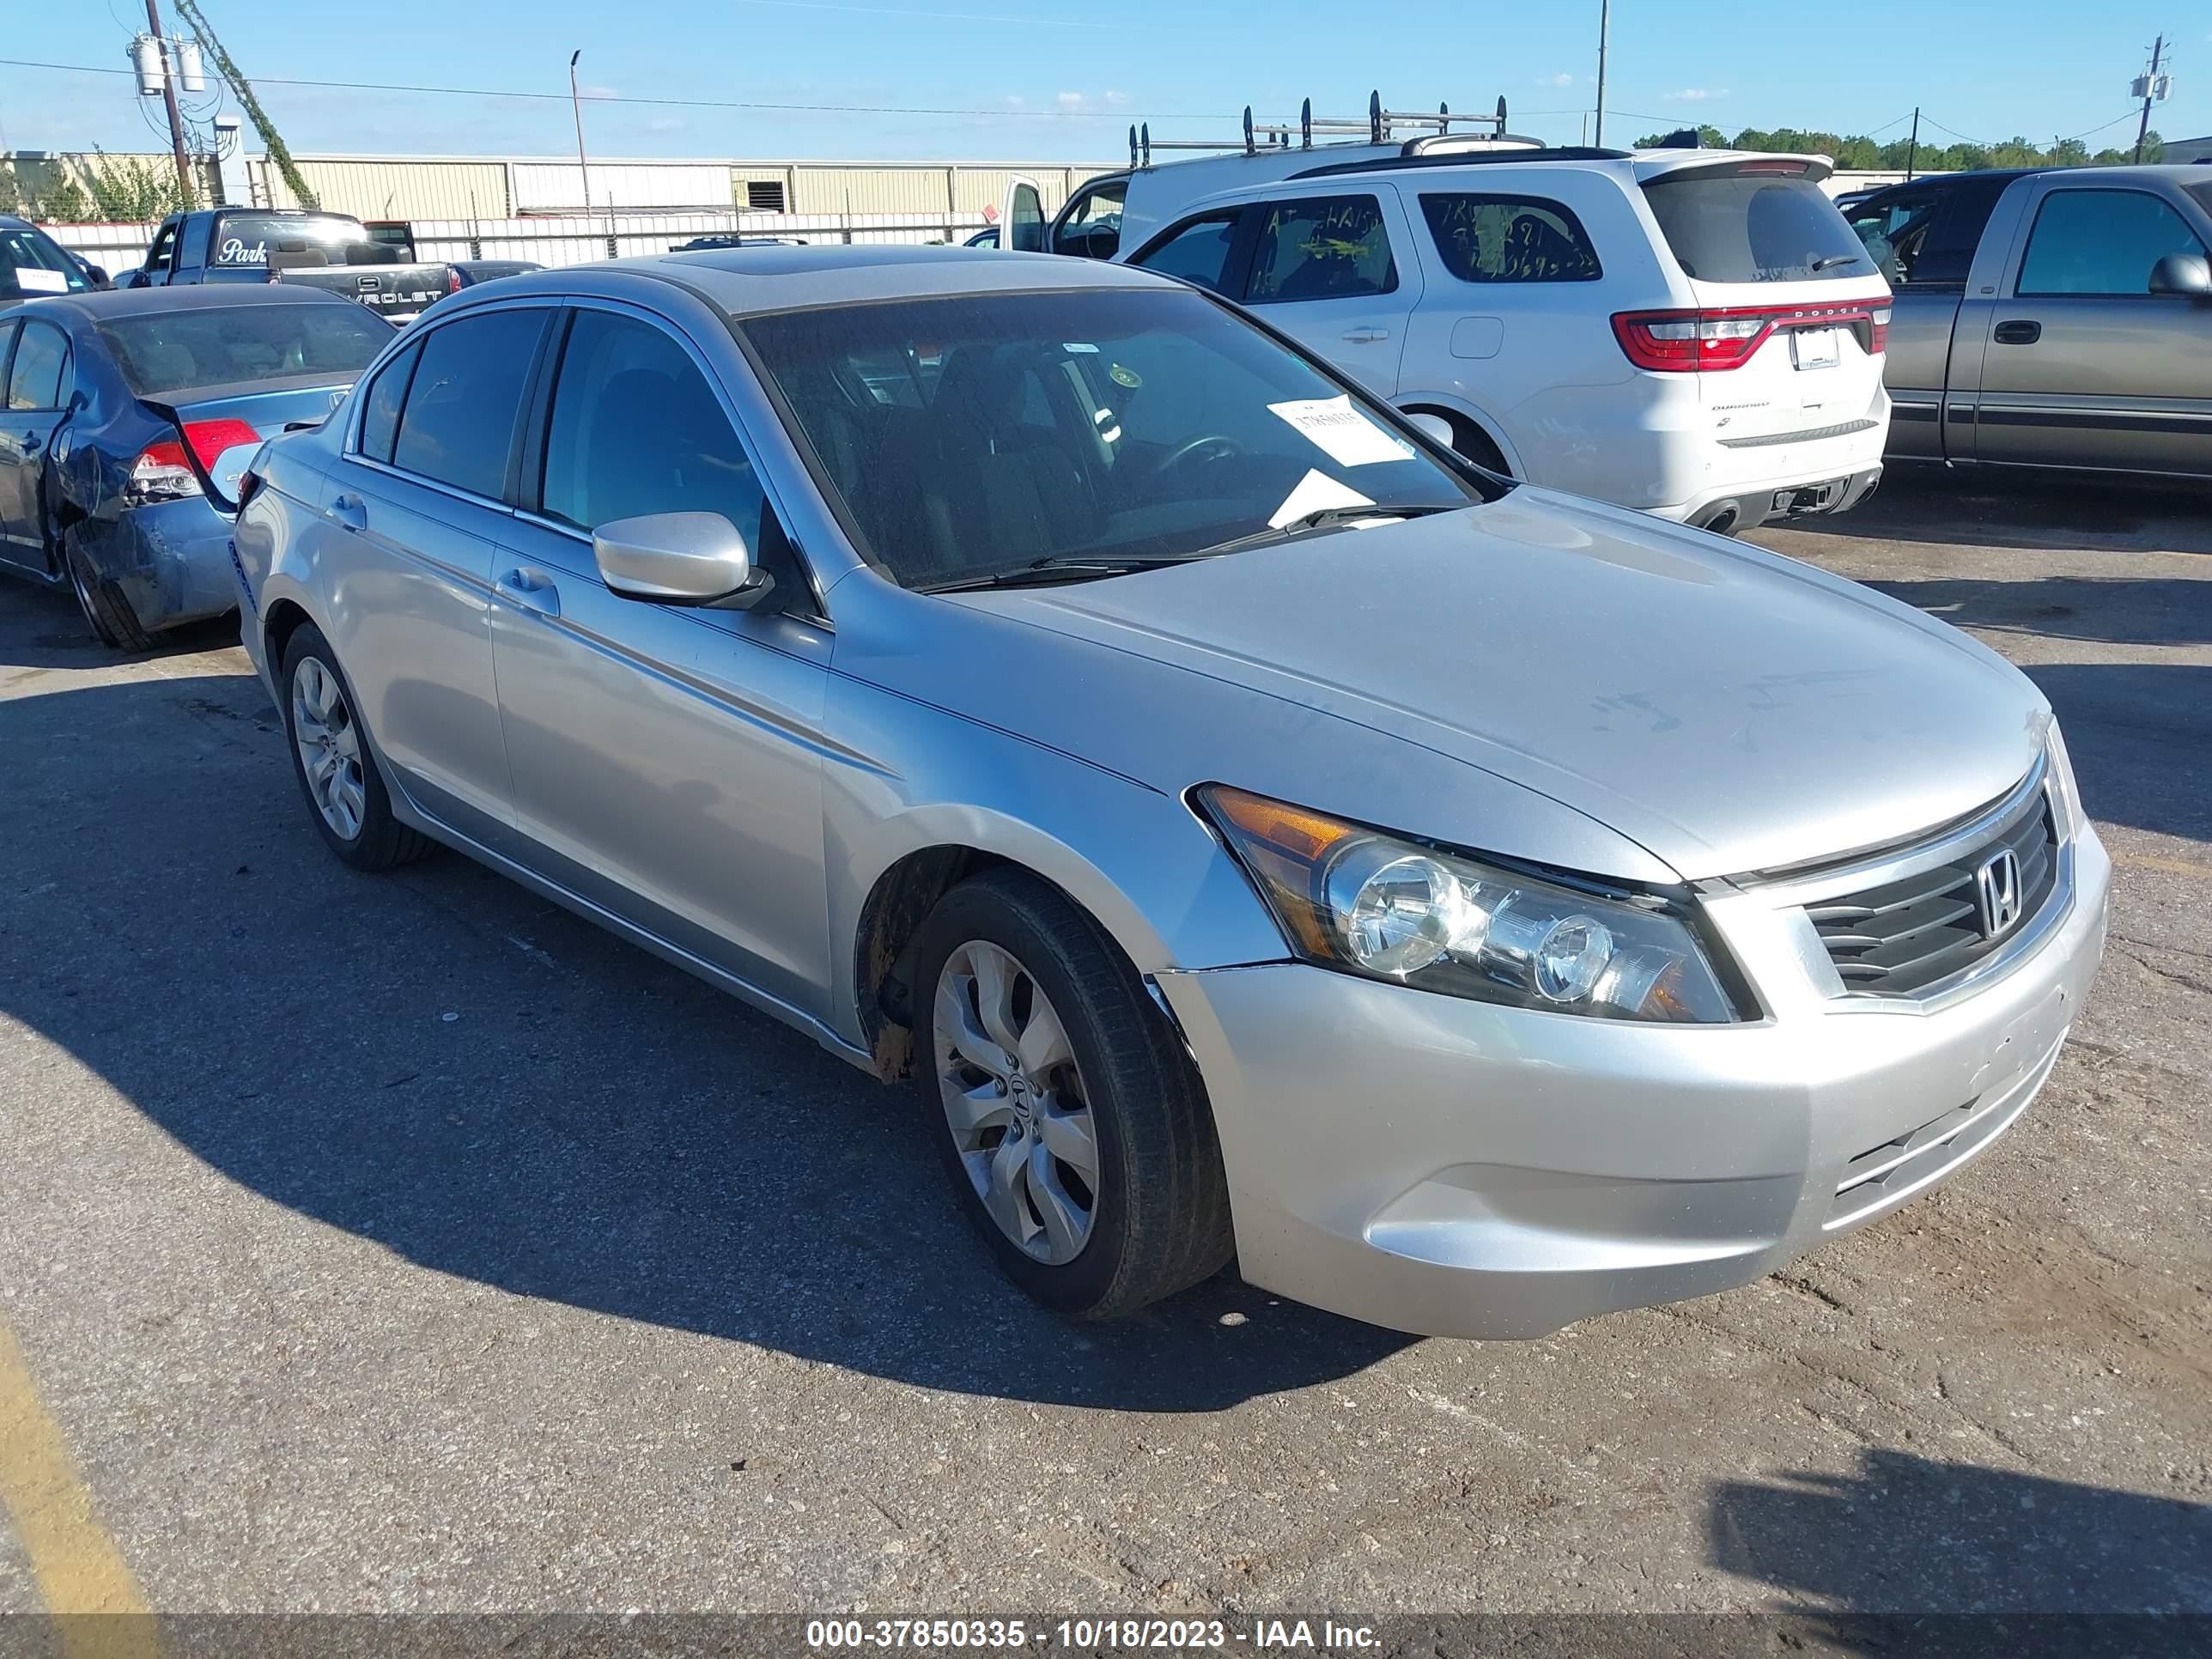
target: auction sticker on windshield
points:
(1341, 432)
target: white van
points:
(1694, 333)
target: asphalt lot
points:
(403, 1243)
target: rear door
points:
(413, 514)
(1325, 268)
(667, 758)
(2084, 365)
(1761, 245)
(36, 383)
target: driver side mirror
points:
(679, 558)
(1433, 427)
(2188, 275)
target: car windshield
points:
(990, 434)
(217, 345)
(33, 263)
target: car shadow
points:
(49, 631)
(440, 1061)
(2116, 610)
(1904, 1534)
(2139, 735)
(2055, 511)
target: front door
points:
(35, 375)
(2084, 365)
(1021, 217)
(1325, 270)
(667, 758)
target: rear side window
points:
(636, 429)
(458, 423)
(380, 412)
(1506, 239)
(1322, 247)
(2101, 241)
(1754, 227)
(1198, 252)
(40, 378)
(217, 345)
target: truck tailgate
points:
(397, 292)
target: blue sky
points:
(1060, 79)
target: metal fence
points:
(572, 240)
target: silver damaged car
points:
(1257, 834)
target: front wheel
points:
(1074, 1127)
(332, 761)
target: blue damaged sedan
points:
(117, 408)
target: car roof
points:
(106, 303)
(1629, 166)
(744, 281)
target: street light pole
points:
(1604, 29)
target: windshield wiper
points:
(1835, 259)
(1330, 518)
(1038, 573)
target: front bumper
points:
(1454, 1168)
(170, 559)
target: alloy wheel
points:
(329, 742)
(1015, 1102)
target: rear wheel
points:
(337, 771)
(1074, 1126)
(114, 622)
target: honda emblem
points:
(1996, 894)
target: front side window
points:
(1893, 232)
(1198, 252)
(1322, 247)
(1755, 226)
(32, 263)
(1080, 428)
(40, 377)
(1092, 228)
(458, 422)
(2101, 242)
(1505, 239)
(636, 429)
(218, 345)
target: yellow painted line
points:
(2169, 866)
(98, 1611)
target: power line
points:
(667, 103)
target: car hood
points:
(1727, 709)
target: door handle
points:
(350, 511)
(1366, 336)
(527, 590)
(2017, 334)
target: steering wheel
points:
(1212, 444)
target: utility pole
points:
(1604, 29)
(2150, 92)
(1912, 150)
(583, 167)
(177, 121)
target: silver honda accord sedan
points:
(1258, 834)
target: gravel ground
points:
(392, 1244)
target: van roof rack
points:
(1378, 128)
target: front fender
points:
(1138, 861)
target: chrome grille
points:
(1907, 934)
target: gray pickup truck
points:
(2057, 317)
(328, 251)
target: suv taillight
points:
(1708, 341)
(162, 474)
(452, 280)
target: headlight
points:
(1349, 897)
(2061, 766)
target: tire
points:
(114, 622)
(345, 795)
(1158, 1217)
